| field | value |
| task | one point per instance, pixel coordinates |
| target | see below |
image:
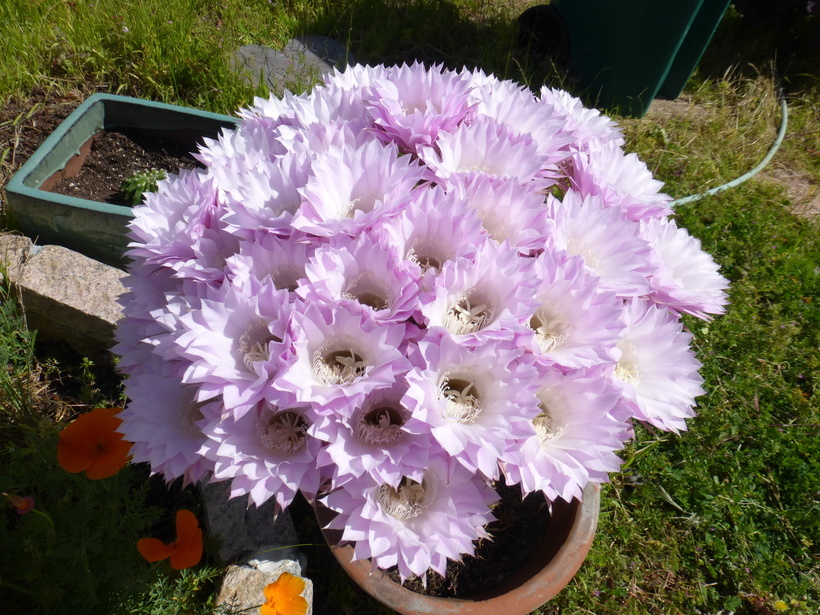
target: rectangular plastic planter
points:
(90, 227)
(626, 53)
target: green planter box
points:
(625, 53)
(93, 228)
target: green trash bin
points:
(624, 53)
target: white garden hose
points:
(781, 133)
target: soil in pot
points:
(118, 154)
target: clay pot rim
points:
(545, 574)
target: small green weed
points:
(189, 593)
(18, 374)
(142, 181)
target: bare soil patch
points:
(25, 124)
(116, 155)
(802, 191)
(661, 110)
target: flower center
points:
(189, 417)
(338, 366)
(409, 107)
(476, 167)
(364, 203)
(463, 401)
(469, 314)
(627, 369)
(254, 343)
(428, 253)
(368, 292)
(551, 423)
(379, 423)
(287, 277)
(410, 500)
(493, 220)
(347, 209)
(576, 247)
(498, 229)
(282, 432)
(219, 262)
(550, 326)
(286, 207)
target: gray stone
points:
(300, 64)
(269, 558)
(14, 251)
(259, 64)
(66, 296)
(243, 588)
(242, 531)
(323, 52)
(276, 568)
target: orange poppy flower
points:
(91, 444)
(282, 596)
(24, 505)
(185, 551)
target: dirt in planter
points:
(118, 154)
(516, 533)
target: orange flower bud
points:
(24, 505)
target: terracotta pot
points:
(559, 555)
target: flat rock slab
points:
(301, 63)
(243, 587)
(14, 251)
(66, 295)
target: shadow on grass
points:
(781, 34)
(456, 35)
(434, 32)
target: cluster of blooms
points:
(396, 289)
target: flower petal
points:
(282, 597)
(111, 459)
(188, 546)
(290, 585)
(91, 443)
(154, 549)
(73, 458)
